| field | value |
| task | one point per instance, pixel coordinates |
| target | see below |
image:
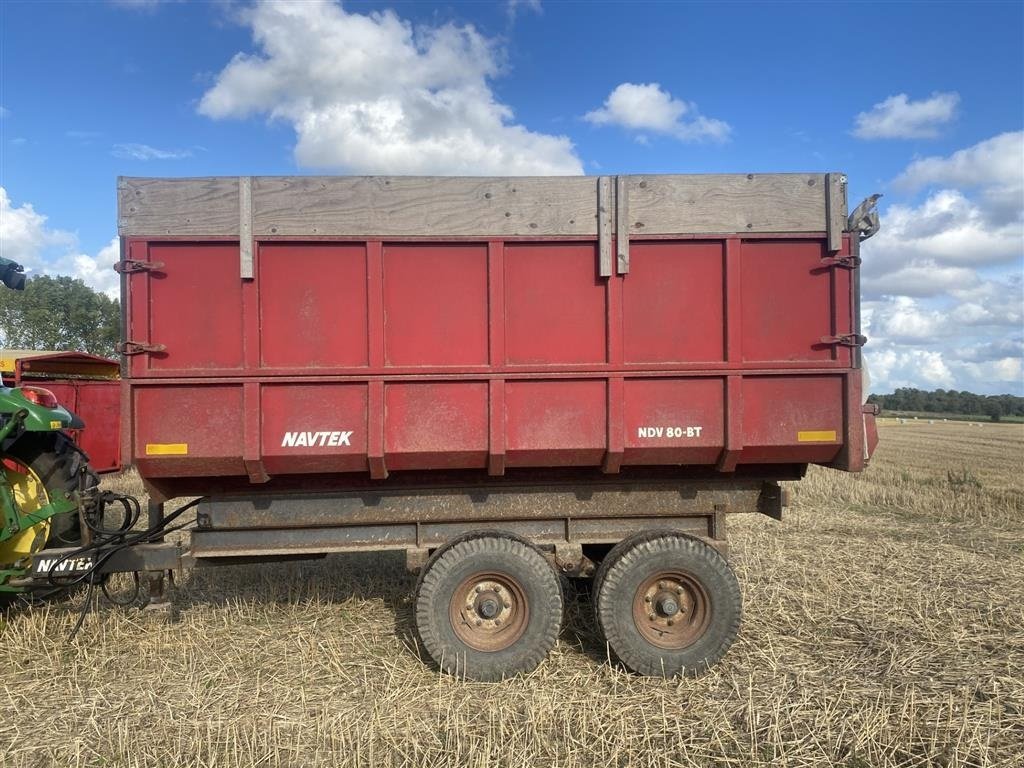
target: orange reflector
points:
(166, 449)
(820, 436)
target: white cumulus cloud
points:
(947, 229)
(893, 368)
(943, 279)
(898, 117)
(648, 107)
(994, 167)
(26, 239)
(371, 93)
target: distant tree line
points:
(950, 401)
(61, 314)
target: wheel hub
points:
(489, 612)
(671, 610)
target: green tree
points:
(59, 313)
(993, 409)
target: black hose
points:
(106, 542)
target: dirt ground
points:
(883, 626)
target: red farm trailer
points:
(87, 385)
(513, 380)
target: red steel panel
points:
(555, 311)
(674, 421)
(792, 418)
(188, 430)
(99, 406)
(316, 319)
(435, 304)
(786, 301)
(296, 418)
(673, 302)
(198, 296)
(436, 425)
(484, 354)
(555, 423)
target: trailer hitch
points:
(106, 550)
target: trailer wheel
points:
(667, 604)
(488, 607)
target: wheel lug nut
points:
(661, 585)
(679, 590)
(650, 616)
(671, 622)
(497, 622)
(479, 622)
(478, 589)
(507, 604)
(647, 598)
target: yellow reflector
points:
(166, 449)
(819, 436)
(55, 425)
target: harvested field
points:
(884, 626)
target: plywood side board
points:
(407, 206)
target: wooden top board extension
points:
(411, 206)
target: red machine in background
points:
(87, 385)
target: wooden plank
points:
(411, 206)
(202, 206)
(353, 206)
(835, 209)
(696, 204)
(245, 227)
(605, 204)
(622, 224)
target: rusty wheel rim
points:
(489, 611)
(671, 610)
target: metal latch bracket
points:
(134, 265)
(137, 348)
(847, 262)
(846, 340)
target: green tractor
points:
(44, 476)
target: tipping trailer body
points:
(352, 328)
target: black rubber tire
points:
(488, 553)
(57, 461)
(625, 569)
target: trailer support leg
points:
(157, 600)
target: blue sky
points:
(922, 102)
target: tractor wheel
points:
(667, 604)
(488, 607)
(38, 467)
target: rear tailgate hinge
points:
(846, 340)
(864, 219)
(137, 348)
(133, 265)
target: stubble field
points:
(883, 626)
